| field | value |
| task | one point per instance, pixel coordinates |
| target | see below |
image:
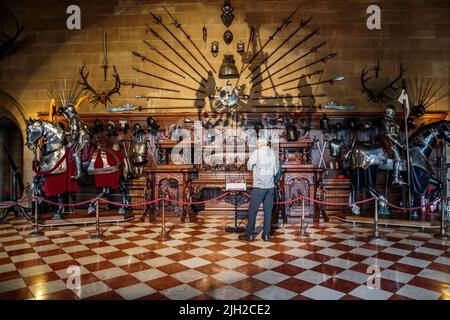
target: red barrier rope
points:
(65, 204)
(318, 201)
(413, 208)
(137, 204)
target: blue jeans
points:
(266, 197)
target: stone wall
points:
(414, 32)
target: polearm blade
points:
(156, 34)
(144, 58)
(152, 47)
(292, 80)
(310, 51)
(312, 96)
(286, 53)
(284, 24)
(302, 24)
(105, 55)
(323, 59)
(169, 98)
(330, 81)
(158, 20)
(132, 85)
(167, 80)
(179, 26)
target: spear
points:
(310, 51)
(167, 80)
(284, 24)
(292, 80)
(144, 58)
(302, 24)
(179, 26)
(158, 20)
(156, 34)
(323, 59)
(132, 84)
(105, 55)
(285, 54)
(173, 63)
(169, 98)
(312, 96)
(330, 81)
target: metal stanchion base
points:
(235, 229)
(163, 237)
(97, 236)
(441, 236)
(302, 232)
(36, 233)
(375, 237)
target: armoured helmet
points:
(389, 111)
(123, 124)
(111, 128)
(152, 124)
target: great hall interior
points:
(126, 128)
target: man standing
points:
(264, 163)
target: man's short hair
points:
(261, 141)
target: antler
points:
(116, 88)
(363, 83)
(382, 95)
(87, 86)
(8, 42)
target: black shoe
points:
(266, 237)
(246, 237)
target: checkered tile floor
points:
(204, 262)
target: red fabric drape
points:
(108, 179)
(62, 182)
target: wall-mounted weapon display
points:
(302, 24)
(167, 80)
(144, 58)
(188, 37)
(158, 20)
(153, 48)
(255, 69)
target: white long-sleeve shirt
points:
(264, 163)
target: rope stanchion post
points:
(303, 226)
(376, 232)
(442, 235)
(36, 232)
(98, 233)
(164, 236)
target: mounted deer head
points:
(7, 41)
(385, 93)
(104, 96)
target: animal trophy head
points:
(104, 96)
(385, 92)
